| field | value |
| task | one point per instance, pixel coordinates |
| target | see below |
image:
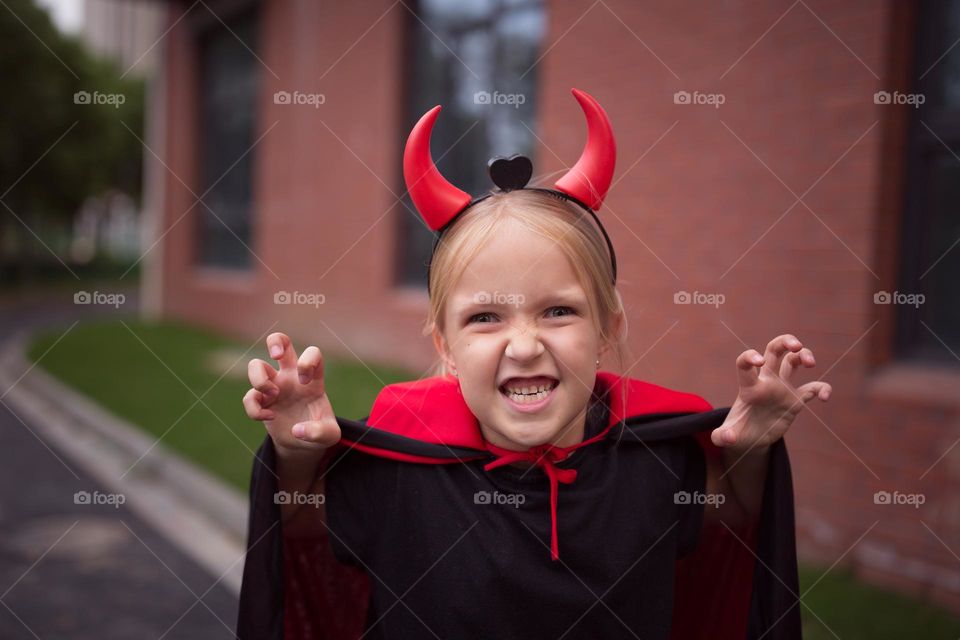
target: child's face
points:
(519, 311)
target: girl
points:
(523, 492)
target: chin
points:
(527, 436)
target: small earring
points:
(598, 364)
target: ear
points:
(618, 328)
(440, 343)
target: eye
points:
(566, 309)
(477, 317)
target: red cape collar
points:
(433, 409)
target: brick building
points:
(797, 163)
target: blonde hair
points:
(565, 223)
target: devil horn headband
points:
(439, 201)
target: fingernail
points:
(276, 351)
(304, 378)
(299, 430)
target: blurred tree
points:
(62, 135)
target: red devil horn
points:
(437, 200)
(589, 179)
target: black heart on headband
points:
(510, 173)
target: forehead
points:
(517, 260)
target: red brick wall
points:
(317, 188)
(699, 211)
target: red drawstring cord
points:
(545, 456)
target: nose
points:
(524, 343)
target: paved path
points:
(78, 571)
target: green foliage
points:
(41, 70)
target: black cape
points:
(735, 583)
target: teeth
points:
(527, 395)
(527, 390)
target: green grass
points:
(110, 364)
(115, 367)
(853, 610)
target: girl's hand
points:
(768, 402)
(292, 402)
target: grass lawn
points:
(150, 373)
(146, 375)
(853, 610)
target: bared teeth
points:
(529, 385)
(528, 390)
(535, 392)
(529, 398)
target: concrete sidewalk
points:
(86, 549)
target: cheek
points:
(480, 358)
(577, 355)
(578, 349)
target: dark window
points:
(479, 60)
(931, 224)
(227, 94)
